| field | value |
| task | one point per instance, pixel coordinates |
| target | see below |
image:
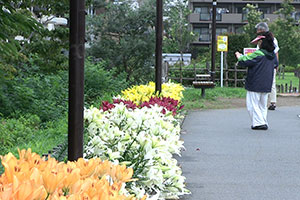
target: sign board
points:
(249, 50)
(222, 43)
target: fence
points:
(285, 88)
(235, 79)
(228, 77)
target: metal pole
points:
(221, 68)
(213, 40)
(76, 79)
(158, 49)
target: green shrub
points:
(27, 132)
(41, 95)
(202, 54)
(101, 84)
(46, 95)
(236, 42)
(291, 68)
(16, 131)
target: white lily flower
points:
(145, 138)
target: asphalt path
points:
(225, 159)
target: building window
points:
(202, 34)
(206, 13)
(244, 14)
(265, 10)
(205, 17)
(221, 31)
(239, 30)
(239, 10)
(201, 10)
(221, 11)
(296, 15)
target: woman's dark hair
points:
(267, 42)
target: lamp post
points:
(213, 40)
(76, 79)
(158, 49)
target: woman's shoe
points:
(261, 127)
(272, 107)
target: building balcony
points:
(194, 17)
(204, 38)
(203, 17)
(232, 18)
(227, 18)
(272, 17)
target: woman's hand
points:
(238, 54)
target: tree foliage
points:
(287, 34)
(178, 35)
(40, 49)
(123, 36)
(14, 22)
(237, 42)
(253, 17)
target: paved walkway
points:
(226, 160)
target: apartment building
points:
(230, 16)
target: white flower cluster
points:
(143, 139)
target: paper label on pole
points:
(222, 43)
(249, 50)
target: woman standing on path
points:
(263, 27)
(261, 64)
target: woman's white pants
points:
(273, 90)
(257, 107)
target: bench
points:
(203, 81)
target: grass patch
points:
(193, 100)
(44, 139)
(27, 132)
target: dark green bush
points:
(101, 84)
(200, 53)
(42, 95)
(27, 132)
(16, 131)
(236, 42)
(291, 68)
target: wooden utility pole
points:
(76, 79)
(213, 40)
(158, 49)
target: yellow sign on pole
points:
(222, 43)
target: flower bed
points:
(34, 178)
(143, 93)
(143, 132)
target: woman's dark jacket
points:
(261, 64)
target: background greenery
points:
(121, 49)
